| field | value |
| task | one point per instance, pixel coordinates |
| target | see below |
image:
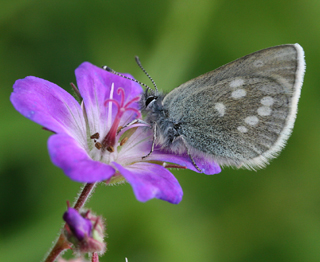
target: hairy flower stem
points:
(84, 195)
(62, 243)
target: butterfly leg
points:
(188, 152)
(153, 141)
(193, 162)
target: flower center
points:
(108, 142)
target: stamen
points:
(119, 129)
(110, 149)
(95, 136)
(125, 139)
(98, 145)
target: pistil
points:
(108, 143)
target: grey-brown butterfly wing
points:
(243, 112)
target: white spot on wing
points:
(242, 129)
(239, 93)
(237, 82)
(283, 131)
(267, 101)
(221, 108)
(264, 111)
(251, 120)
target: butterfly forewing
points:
(241, 113)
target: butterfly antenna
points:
(107, 68)
(144, 71)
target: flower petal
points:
(94, 85)
(48, 105)
(137, 146)
(67, 154)
(151, 181)
(133, 151)
(208, 166)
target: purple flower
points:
(86, 144)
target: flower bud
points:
(85, 231)
(78, 225)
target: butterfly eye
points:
(177, 126)
(150, 99)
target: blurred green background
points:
(235, 216)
